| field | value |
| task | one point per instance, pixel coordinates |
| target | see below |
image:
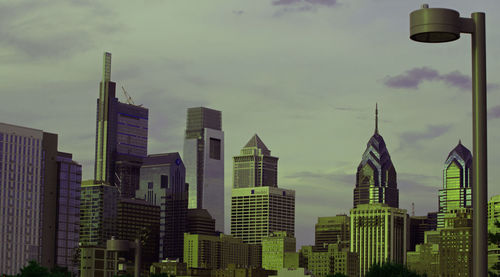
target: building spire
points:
(459, 141)
(376, 118)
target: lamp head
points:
(434, 25)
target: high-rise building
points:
(455, 247)
(493, 216)
(121, 137)
(69, 179)
(331, 230)
(98, 213)
(425, 258)
(200, 222)
(418, 226)
(255, 167)
(204, 160)
(35, 202)
(376, 176)
(275, 248)
(457, 182)
(378, 234)
(137, 218)
(163, 184)
(257, 212)
(329, 260)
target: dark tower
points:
(376, 176)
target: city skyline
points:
(284, 71)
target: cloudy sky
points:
(303, 74)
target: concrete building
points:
(376, 175)
(137, 218)
(425, 258)
(378, 234)
(217, 252)
(203, 157)
(32, 216)
(418, 226)
(259, 211)
(334, 258)
(455, 248)
(255, 167)
(275, 249)
(121, 137)
(69, 179)
(170, 267)
(162, 183)
(98, 213)
(200, 222)
(332, 229)
(493, 216)
(457, 182)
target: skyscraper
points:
(121, 137)
(457, 182)
(163, 184)
(376, 176)
(255, 167)
(34, 199)
(204, 160)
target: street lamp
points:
(442, 25)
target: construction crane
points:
(129, 99)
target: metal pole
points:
(480, 159)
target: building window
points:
(164, 181)
(215, 149)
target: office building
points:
(204, 160)
(217, 252)
(457, 182)
(376, 175)
(275, 249)
(493, 216)
(121, 137)
(98, 213)
(425, 258)
(255, 167)
(455, 248)
(378, 234)
(200, 222)
(331, 230)
(162, 183)
(257, 212)
(138, 218)
(418, 226)
(29, 187)
(69, 179)
(334, 258)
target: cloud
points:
(494, 112)
(313, 2)
(239, 12)
(295, 6)
(322, 178)
(412, 139)
(414, 77)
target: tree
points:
(391, 269)
(494, 238)
(33, 269)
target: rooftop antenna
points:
(412, 209)
(376, 118)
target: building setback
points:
(378, 234)
(457, 182)
(163, 184)
(255, 167)
(121, 137)
(257, 212)
(203, 157)
(376, 175)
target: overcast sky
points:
(303, 74)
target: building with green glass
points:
(457, 182)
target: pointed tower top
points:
(255, 141)
(376, 118)
(459, 141)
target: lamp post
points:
(442, 25)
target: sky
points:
(303, 74)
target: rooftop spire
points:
(459, 141)
(106, 74)
(376, 118)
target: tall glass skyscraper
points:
(376, 176)
(255, 167)
(163, 183)
(204, 160)
(121, 137)
(457, 182)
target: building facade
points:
(378, 234)
(376, 175)
(163, 183)
(255, 167)
(274, 250)
(455, 248)
(418, 226)
(203, 157)
(329, 260)
(457, 182)
(121, 137)
(257, 212)
(98, 213)
(425, 258)
(331, 230)
(200, 222)
(69, 179)
(138, 218)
